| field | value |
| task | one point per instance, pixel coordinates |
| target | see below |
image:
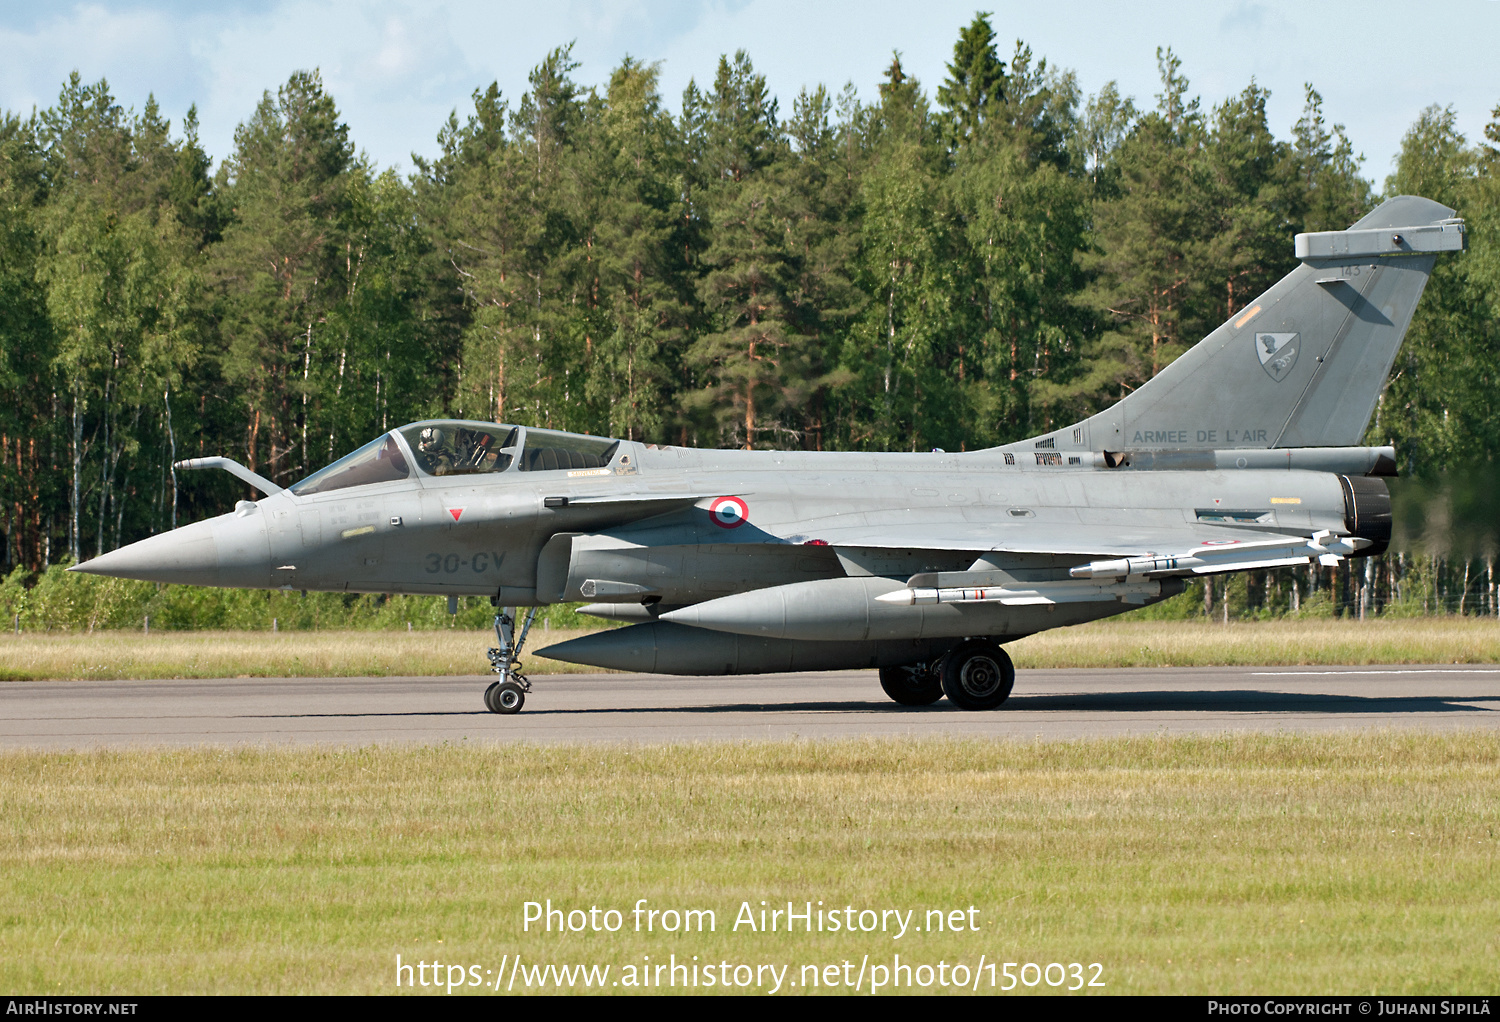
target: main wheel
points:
(978, 675)
(504, 697)
(916, 685)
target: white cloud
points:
(122, 46)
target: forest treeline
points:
(949, 268)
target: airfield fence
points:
(1396, 584)
(1392, 585)
(56, 600)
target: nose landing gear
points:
(508, 694)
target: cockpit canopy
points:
(379, 461)
(549, 450)
(456, 447)
(461, 448)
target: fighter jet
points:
(1242, 454)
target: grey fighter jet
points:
(1242, 454)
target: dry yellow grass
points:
(1429, 640)
(1245, 864)
(120, 655)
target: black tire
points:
(916, 685)
(978, 675)
(504, 697)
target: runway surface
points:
(1052, 704)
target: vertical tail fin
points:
(1303, 364)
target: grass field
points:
(1241, 864)
(121, 655)
(1428, 640)
(117, 655)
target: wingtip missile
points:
(1323, 545)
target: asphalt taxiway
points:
(1046, 704)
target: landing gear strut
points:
(508, 694)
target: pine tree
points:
(474, 197)
(823, 229)
(1334, 195)
(1040, 110)
(120, 290)
(903, 355)
(641, 276)
(1026, 225)
(1251, 203)
(1439, 407)
(1150, 235)
(748, 360)
(975, 87)
(536, 368)
(29, 481)
(283, 265)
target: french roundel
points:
(729, 512)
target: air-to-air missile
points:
(1241, 455)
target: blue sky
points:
(397, 68)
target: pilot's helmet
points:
(430, 439)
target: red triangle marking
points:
(455, 512)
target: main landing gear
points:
(978, 675)
(508, 694)
(974, 675)
(917, 685)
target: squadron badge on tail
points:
(1278, 353)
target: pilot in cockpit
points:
(437, 447)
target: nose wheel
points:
(508, 694)
(504, 697)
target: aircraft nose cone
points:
(187, 555)
(231, 550)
